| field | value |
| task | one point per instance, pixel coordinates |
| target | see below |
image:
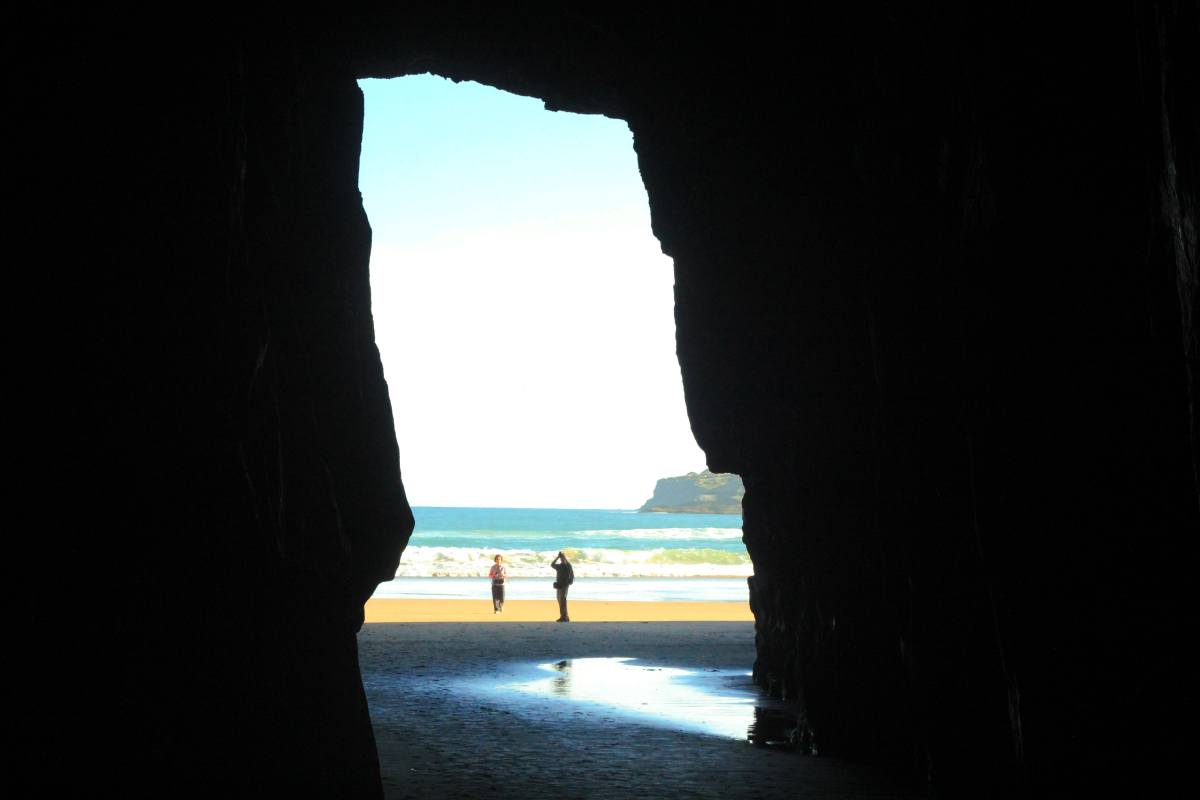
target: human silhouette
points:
(565, 576)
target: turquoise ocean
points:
(617, 555)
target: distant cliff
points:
(697, 493)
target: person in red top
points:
(498, 573)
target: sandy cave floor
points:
(538, 709)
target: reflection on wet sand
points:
(717, 702)
(560, 684)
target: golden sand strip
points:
(389, 610)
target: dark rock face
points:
(224, 449)
(936, 279)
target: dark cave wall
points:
(935, 292)
(221, 431)
(964, 434)
(929, 307)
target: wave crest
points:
(717, 534)
(600, 562)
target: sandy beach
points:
(390, 610)
(527, 710)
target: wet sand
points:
(537, 709)
(390, 610)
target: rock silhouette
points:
(936, 272)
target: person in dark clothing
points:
(565, 577)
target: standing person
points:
(566, 576)
(498, 573)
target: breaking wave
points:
(673, 534)
(589, 562)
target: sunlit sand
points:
(391, 610)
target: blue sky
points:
(523, 309)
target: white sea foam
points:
(469, 562)
(715, 590)
(633, 533)
(671, 533)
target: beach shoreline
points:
(384, 610)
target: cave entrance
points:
(523, 312)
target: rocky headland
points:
(697, 493)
